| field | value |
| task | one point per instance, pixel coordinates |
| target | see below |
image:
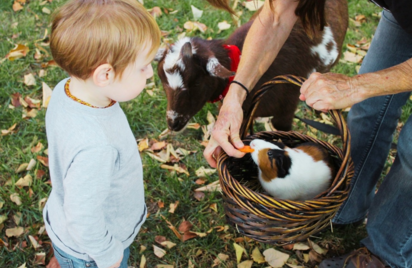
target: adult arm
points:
(263, 42)
(87, 185)
(336, 91)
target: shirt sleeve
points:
(86, 186)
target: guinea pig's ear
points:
(282, 161)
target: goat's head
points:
(191, 75)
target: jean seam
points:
(371, 142)
(409, 237)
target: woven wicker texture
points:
(275, 221)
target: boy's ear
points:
(103, 75)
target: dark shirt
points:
(401, 10)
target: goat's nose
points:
(176, 124)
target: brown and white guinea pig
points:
(298, 173)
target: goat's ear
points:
(216, 69)
(159, 54)
(186, 51)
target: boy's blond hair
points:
(88, 33)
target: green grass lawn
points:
(31, 27)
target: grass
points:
(28, 25)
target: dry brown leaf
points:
(294, 266)
(253, 5)
(22, 167)
(245, 264)
(317, 248)
(3, 218)
(37, 148)
(197, 13)
(224, 25)
(47, 92)
(33, 103)
(160, 204)
(170, 225)
(193, 125)
(9, 130)
(158, 146)
(352, 57)
(164, 266)
(315, 257)
(175, 168)
(158, 158)
(142, 248)
(164, 133)
(15, 99)
(32, 113)
(40, 258)
(16, 231)
(45, 10)
(214, 186)
(185, 226)
(199, 196)
(188, 235)
(17, 218)
(201, 181)
(219, 259)
(17, 52)
(158, 251)
(360, 18)
(15, 198)
(25, 181)
(275, 258)
(17, 6)
(156, 12)
(257, 256)
(173, 207)
(22, 266)
(44, 160)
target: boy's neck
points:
(87, 91)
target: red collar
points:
(234, 55)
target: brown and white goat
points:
(194, 71)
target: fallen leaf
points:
(29, 80)
(40, 258)
(17, 52)
(3, 218)
(300, 246)
(173, 207)
(314, 256)
(202, 171)
(22, 266)
(142, 262)
(164, 266)
(360, 18)
(257, 256)
(224, 25)
(185, 226)
(170, 225)
(317, 248)
(212, 187)
(45, 10)
(32, 113)
(239, 251)
(253, 5)
(164, 133)
(44, 160)
(9, 130)
(142, 248)
(25, 181)
(168, 244)
(157, 158)
(42, 203)
(219, 259)
(275, 258)
(199, 196)
(47, 92)
(175, 168)
(15, 99)
(245, 264)
(16, 231)
(294, 266)
(213, 207)
(160, 204)
(34, 242)
(17, 6)
(37, 148)
(143, 145)
(158, 146)
(197, 13)
(352, 57)
(188, 235)
(14, 197)
(193, 125)
(158, 251)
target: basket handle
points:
(336, 115)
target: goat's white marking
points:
(327, 57)
(211, 65)
(172, 115)
(174, 79)
(172, 59)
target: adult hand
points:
(226, 131)
(329, 91)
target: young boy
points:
(96, 206)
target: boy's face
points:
(133, 79)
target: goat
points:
(194, 71)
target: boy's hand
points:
(117, 264)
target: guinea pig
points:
(299, 173)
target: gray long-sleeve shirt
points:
(96, 206)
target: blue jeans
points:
(68, 261)
(372, 124)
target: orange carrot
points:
(246, 149)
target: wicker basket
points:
(275, 221)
